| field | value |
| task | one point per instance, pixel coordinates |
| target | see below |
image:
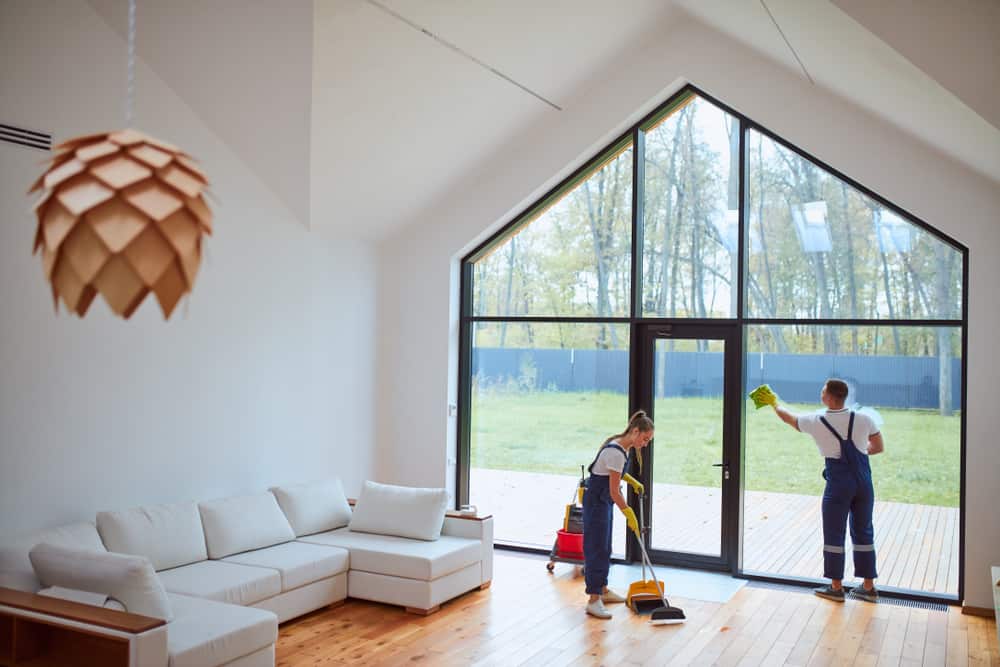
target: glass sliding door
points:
(689, 373)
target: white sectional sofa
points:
(228, 571)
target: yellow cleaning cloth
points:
(762, 396)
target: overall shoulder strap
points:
(850, 427)
(833, 430)
(613, 445)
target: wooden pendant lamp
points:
(123, 215)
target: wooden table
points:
(40, 631)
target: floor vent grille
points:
(896, 602)
(22, 137)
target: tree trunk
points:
(888, 301)
(733, 203)
(851, 283)
(510, 286)
(944, 261)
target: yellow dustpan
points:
(646, 594)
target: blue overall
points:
(849, 495)
(597, 519)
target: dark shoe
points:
(866, 594)
(829, 593)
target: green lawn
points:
(556, 432)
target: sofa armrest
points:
(476, 528)
(76, 611)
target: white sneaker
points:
(597, 609)
(610, 596)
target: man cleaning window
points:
(846, 439)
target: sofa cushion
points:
(15, 566)
(402, 557)
(403, 511)
(168, 535)
(205, 632)
(224, 582)
(243, 523)
(298, 563)
(128, 579)
(314, 507)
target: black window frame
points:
(635, 136)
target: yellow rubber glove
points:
(631, 521)
(634, 483)
(763, 395)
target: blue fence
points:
(883, 381)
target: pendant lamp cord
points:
(130, 91)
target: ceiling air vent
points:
(22, 137)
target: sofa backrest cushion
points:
(15, 565)
(168, 535)
(128, 579)
(314, 507)
(243, 523)
(404, 511)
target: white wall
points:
(418, 307)
(263, 377)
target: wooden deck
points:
(529, 617)
(917, 545)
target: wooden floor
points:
(529, 617)
(917, 545)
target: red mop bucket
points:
(569, 544)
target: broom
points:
(647, 596)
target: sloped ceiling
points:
(955, 43)
(399, 116)
(361, 113)
(245, 68)
(836, 51)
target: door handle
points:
(725, 468)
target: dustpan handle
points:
(642, 531)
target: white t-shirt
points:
(610, 458)
(828, 445)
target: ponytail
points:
(639, 420)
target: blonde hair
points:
(639, 420)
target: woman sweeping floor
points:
(603, 492)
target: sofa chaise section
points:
(415, 574)
(406, 549)
(206, 632)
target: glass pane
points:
(818, 248)
(690, 213)
(688, 410)
(572, 258)
(543, 402)
(910, 378)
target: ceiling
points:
(245, 68)
(956, 44)
(359, 113)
